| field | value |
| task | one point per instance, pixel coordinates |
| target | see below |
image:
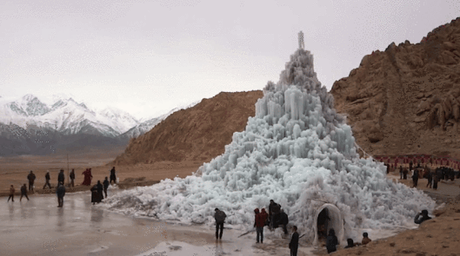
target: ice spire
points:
(301, 42)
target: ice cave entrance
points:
(326, 217)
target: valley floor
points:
(79, 228)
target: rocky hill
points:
(198, 133)
(406, 99)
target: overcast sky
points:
(147, 57)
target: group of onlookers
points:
(433, 177)
(60, 188)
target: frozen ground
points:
(39, 227)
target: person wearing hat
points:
(421, 217)
(366, 239)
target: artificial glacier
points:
(297, 151)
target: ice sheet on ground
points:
(296, 150)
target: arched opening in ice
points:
(326, 217)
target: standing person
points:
(60, 192)
(47, 180)
(113, 176)
(100, 190)
(23, 192)
(294, 243)
(331, 241)
(273, 212)
(31, 177)
(88, 177)
(106, 186)
(219, 216)
(61, 177)
(400, 172)
(72, 178)
(405, 173)
(259, 224)
(415, 177)
(435, 181)
(283, 221)
(11, 194)
(429, 178)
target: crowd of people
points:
(97, 191)
(433, 176)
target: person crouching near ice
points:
(366, 239)
(421, 217)
(219, 216)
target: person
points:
(96, 193)
(31, 177)
(435, 181)
(60, 191)
(400, 172)
(350, 243)
(61, 177)
(415, 177)
(429, 178)
(259, 223)
(106, 186)
(219, 216)
(23, 192)
(405, 172)
(273, 212)
(331, 241)
(100, 189)
(294, 243)
(113, 177)
(283, 221)
(88, 177)
(47, 179)
(72, 178)
(421, 217)
(366, 239)
(11, 194)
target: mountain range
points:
(30, 126)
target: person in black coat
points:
(294, 243)
(421, 217)
(96, 193)
(283, 221)
(61, 177)
(23, 192)
(72, 178)
(331, 241)
(47, 180)
(113, 176)
(106, 186)
(60, 191)
(31, 177)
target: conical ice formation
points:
(298, 151)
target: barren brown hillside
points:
(406, 99)
(199, 133)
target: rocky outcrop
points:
(406, 99)
(199, 133)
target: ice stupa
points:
(296, 150)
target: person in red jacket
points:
(259, 223)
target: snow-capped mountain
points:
(65, 115)
(30, 126)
